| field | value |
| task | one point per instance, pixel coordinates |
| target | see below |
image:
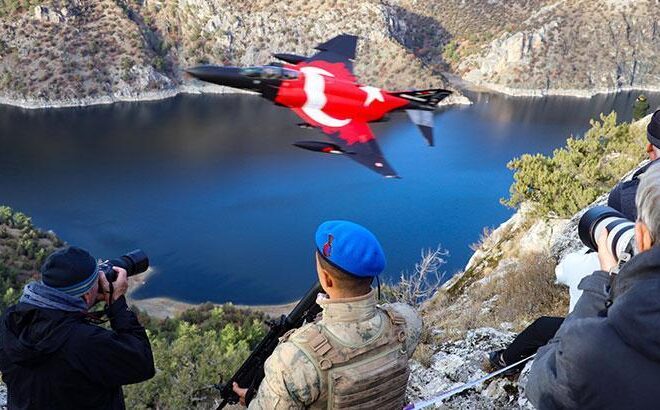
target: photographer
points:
(575, 266)
(52, 357)
(605, 354)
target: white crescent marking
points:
(316, 99)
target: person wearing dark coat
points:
(52, 357)
(606, 354)
(621, 198)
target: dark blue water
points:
(212, 189)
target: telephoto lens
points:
(620, 231)
(134, 262)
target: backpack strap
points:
(398, 322)
(327, 352)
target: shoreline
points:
(164, 307)
(108, 99)
(486, 87)
(188, 88)
(539, 93)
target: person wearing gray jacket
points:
(606, 354)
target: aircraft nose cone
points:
(197, 71)
(215, 74)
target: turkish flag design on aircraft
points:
(327, 96)
(323, 91)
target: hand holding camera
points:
(605, 257)
(119, 285)
(113, 274)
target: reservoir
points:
(212, 189)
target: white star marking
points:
(373, 93)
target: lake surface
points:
(211, 188)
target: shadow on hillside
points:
(422, 35)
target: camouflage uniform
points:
(292, 380)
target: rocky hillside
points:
(573, 47)
(68, 52)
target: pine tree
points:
(640, 108)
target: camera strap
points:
(111, 288)
(614, 272)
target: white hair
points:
(648, 200)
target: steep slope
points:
(67, 52)
(75, 51)
(576, 47)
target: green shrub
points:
(199, 348)
(575, 175)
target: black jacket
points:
(622, 197)
(605, 358)
(51, 359)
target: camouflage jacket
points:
(291, 379)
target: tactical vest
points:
(371, 376)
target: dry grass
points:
(413, 288)
(485, 240)
(518, 292)
(526, 292)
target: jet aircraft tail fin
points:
(424, 99)
(424, 121)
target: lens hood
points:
(589, 221)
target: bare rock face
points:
(60, 12)
(51, 15)
(578, 48)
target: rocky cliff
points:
(73, 52)
(573, 47)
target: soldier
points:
(356, 354)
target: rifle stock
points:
(251, 372)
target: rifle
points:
(251, 372)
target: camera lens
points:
(620, 230)
(134, 262)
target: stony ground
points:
(461, 361)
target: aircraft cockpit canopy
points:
(270, 73)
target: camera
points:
(134, 262)
(620, 231)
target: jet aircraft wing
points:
(340, 49)
(358, 143)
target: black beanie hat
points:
(653, 130)
(71, 270)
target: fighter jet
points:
(323, 91)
